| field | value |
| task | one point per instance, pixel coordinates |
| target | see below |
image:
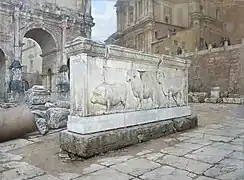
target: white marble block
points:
(114, 87)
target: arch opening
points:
(2, 74)
(39, 55)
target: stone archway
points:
(2, 74)
(50, 54)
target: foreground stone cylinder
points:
(16, 122)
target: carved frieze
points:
(116, 79)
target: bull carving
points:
(110, 95)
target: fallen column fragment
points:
(16, 122)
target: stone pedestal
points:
(121, 97)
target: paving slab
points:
(210, 137)
(136, 167)
(201, 141)
(167, 173)
(186, 164)
(153, 156)
(204, 178)
(14, 144)
(209, 154)
(228, 146)
(24, 172)
(92, 168)
(113, 160)
(237, 155)
(6, 157)
(228, 169)
(68, 176)
(238, 141)
(46, 177)
(106, 174)
(227, 132)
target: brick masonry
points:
(223, 68)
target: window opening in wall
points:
(175, 43)
(201, 8)
(167, 19)
(183, 45)
(140, 7)
(156, 34)
(131, 13)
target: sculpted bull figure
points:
(110, 95)
(172, 88)
(141, 90)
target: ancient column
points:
(64, 34)
(16, 85)
(134, 12)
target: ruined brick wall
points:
(223, 68)
(32, 78)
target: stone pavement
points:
(215, 151)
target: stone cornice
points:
(95, 49)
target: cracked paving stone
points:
(6, 157)
(181, 149)
(184, 164)
(46, 177)
(153, 156)
(228, 169)
(204, 178)
(225, 132)
(113, 160)
(136, 167)
(167, 173)
(237, 155)
(238, 141)
(68, 176)
(92, 168)
(209, 154)
(106, 174)
(14, 144)
(204, 142)
(25, 171)
(143, 152)
(227, 146)
(211, 137)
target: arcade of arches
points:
(49, 27)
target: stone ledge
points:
(94, 144)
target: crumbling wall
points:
(32, 79)
(217, 67)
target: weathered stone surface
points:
(41, 125)
(113, 160)
(45, 177)
(14, 144)
(226, 170)
(166, 172)
(90, 145)
(136, 167)
(108, 174)
(6, 157)
(68, 176)
(184, 123)
(153, 156)
(37, 95)
(25, 171)
(197, 97)
(186, 164)
(209, 154)
(57, 117)
(233, 100)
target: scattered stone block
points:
(57, 117)
(232, 100)
(37, 95)
(197, 97)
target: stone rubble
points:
(48, 115)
